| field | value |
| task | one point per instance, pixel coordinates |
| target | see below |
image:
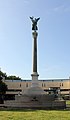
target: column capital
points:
(35, 34)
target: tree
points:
(12, 77)
(3, 89)
(3, 74)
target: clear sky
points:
(53, 37)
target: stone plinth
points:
(34, 91)
(35, 82)
(36, 102)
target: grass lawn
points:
(35, 115)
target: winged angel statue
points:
(34, 23)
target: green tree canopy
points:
(3, 74)
(3, 86)
(11, 77)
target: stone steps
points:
(34, 104)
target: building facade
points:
(18, 86)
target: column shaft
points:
(35, 34)
(35, 55)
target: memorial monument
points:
(34, 89)
(35, 97)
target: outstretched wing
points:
(37, 19)
(32, 19)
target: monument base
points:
(34, 91)
(35, 102)
(36, 98)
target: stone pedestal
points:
(34, 80)
(40, 101)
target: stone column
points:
(34, 65)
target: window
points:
(62, 84)
(26, 84)
(20, 85)
(42, 84)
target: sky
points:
(53, 40)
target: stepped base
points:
(36, 98)
(34, 91)
(36, 102)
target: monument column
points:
(34, 65)
(35, 34)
